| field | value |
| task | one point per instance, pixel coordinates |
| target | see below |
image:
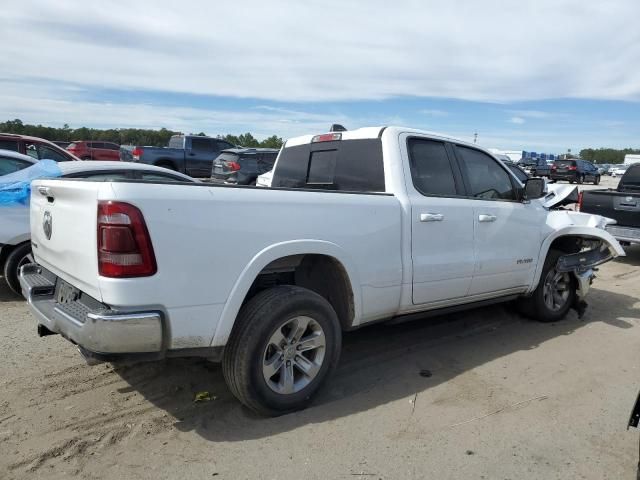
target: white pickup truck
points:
(375, 224)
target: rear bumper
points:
(624, 234)
(563, 176)
(94, 327)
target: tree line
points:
(125, 136)
(606, 155)
(160, 138)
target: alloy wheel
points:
(294, 355)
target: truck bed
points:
(624, 207)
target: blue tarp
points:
(15, 188)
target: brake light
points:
(233, 166)
(327, 137)
(124, 244)
(580, 196)
(137, 153)
(553, 167)
(573, 168)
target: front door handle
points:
(431, 217)
(483, 217)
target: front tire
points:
(285, 344)
(21, 255)
(554, 295)
(596, 181)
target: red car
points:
(95, 150)
(37, 148)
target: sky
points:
(542, 75)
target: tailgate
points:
(63, 231)
(622, 207)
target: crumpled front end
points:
(588, 245)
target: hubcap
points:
(556, 289)
(293, 355)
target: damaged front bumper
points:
(583, 265)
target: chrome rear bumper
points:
(94, 327)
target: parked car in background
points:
(618, 170)
(358, 227)
(90, 150)
(603, 169)
(536, 167)
(243, 165)
(13, 161)
(61, 143)
(190, 154)
(575, 171)
(15, 245)
(35, 147)
(622, 204)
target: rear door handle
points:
(431, 217)
(483, 217)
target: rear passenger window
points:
(487, 178)
(343, 165)
(203, 145)
(430, 168)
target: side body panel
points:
(210, 242)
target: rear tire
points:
(272, 340)
(554, 295)
(19, 256)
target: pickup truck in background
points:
(375, 224)
(192, 155)
(621, 204)
(536, 167)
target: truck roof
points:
(376, 132)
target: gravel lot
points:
(499, 397)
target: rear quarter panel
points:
(210, 242)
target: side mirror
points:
(534, 188)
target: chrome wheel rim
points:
(556, 289)
(28, 258)
(293, 356)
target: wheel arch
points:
(241, 289)
(565, 238)
(161, 162)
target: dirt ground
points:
(499, 397)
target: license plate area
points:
(66, 293)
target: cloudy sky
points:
(544, 75)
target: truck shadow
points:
(7, 295)
(633, 256)
(379, 364)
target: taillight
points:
(580, 196)
(327, 137)
(137, 153)
(233, 166)
(553, 167)
(573, 168)
(124, 244)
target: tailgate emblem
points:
(47, 225)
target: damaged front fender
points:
(596, 246)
